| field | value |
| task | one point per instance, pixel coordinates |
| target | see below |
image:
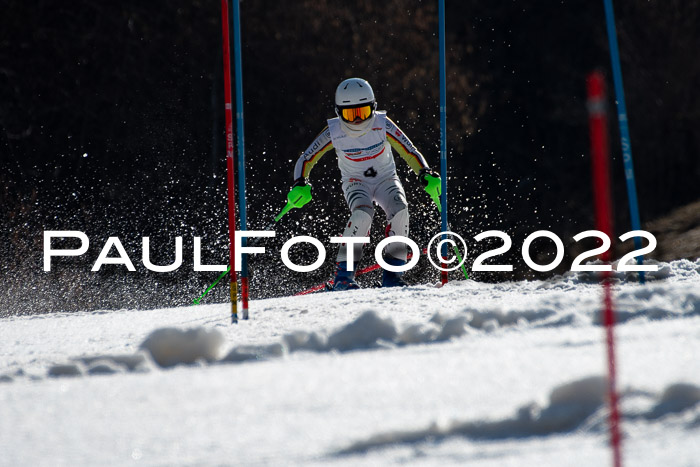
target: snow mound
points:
(578, 405)
(490, 319)
(448, 328)
(246, 353)
(365, 332)
(675, 398)
(102, 365)
(108, 364)
(370, 331)
(419, 333)
(168, 347)
(304, 340)
(663, 272)
(654, 303)
(66, 369)
(171, 346)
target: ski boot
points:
(344, 279)
(393, 279)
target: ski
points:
(328, 285)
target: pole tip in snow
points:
(234, 302)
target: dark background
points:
(112, 123)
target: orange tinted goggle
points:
(352, 113)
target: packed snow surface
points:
(470, 373)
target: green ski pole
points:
(279, 216)
(459, 257)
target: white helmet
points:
(355, 105)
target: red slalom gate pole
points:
(443, 275)
(600, 160)
(233, 286)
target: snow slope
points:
(484, 374)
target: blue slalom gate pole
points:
(240, 161)
(443, 131)
(624, 129)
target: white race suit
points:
(368, 173)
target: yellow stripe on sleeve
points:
(414, 161)
(309, 164)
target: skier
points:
(363, 138)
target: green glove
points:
(300, 194)
(431, 184)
